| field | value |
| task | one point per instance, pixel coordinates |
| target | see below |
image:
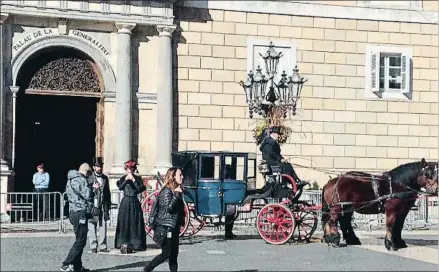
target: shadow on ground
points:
(120, 267)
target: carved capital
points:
(166, 30)
(14, 90)
(125, 27)
(3, 17)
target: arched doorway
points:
(59, 115)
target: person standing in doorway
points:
(41, 181)
(130, 229)
(97, 227)
(80, 195)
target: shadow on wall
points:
(182, 14)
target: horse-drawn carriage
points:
(217, 184)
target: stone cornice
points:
(320, 10)
(89, 15)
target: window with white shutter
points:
(388, 72)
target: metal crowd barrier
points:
(32, 211)
(45, 211)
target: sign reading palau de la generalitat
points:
(48, 31)
(91, 40)
(30, 37)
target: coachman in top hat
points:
(270, 149)
(102, 201)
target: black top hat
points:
(275, 129)
(98, 162)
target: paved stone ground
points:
(45, 252)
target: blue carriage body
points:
(215, 180)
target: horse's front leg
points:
(390, 225)
(332, 236)
(399, 224)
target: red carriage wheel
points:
(147, 203)
(275, 223)
(306, 221)
(195, 223)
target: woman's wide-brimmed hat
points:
(131, 164)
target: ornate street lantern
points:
(284, 93)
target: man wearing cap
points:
(41, 181)
(97, 229)
(270, 149)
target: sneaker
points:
(67, 268)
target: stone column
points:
(6, 174)
(14, 91)
(122, 137)
(3, 149)
(164, 100)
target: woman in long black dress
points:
(130, 228)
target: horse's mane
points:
(406, 174)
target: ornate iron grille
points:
(67, 75)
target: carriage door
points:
(209, 189)
(234, 182)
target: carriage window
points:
(234, 168)
(210, 167)
(251, 168)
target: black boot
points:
(147, 268)
(173, 267)
(298, 181)
(229, 227)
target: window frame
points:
(387, 68)
(372, 73)
(292, 44)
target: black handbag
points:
(159, 235)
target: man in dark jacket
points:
(79, 195)
(97, 228)
(270, 149)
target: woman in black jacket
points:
(170, 218)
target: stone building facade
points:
(341, 123)
(166, 78)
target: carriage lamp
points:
(262, 92)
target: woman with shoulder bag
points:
(170, 217)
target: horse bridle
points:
(427, 171)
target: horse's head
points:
(428, 177)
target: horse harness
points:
(376, 186)
(375, 183)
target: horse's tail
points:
(325, 209)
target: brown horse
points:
(393, 193)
